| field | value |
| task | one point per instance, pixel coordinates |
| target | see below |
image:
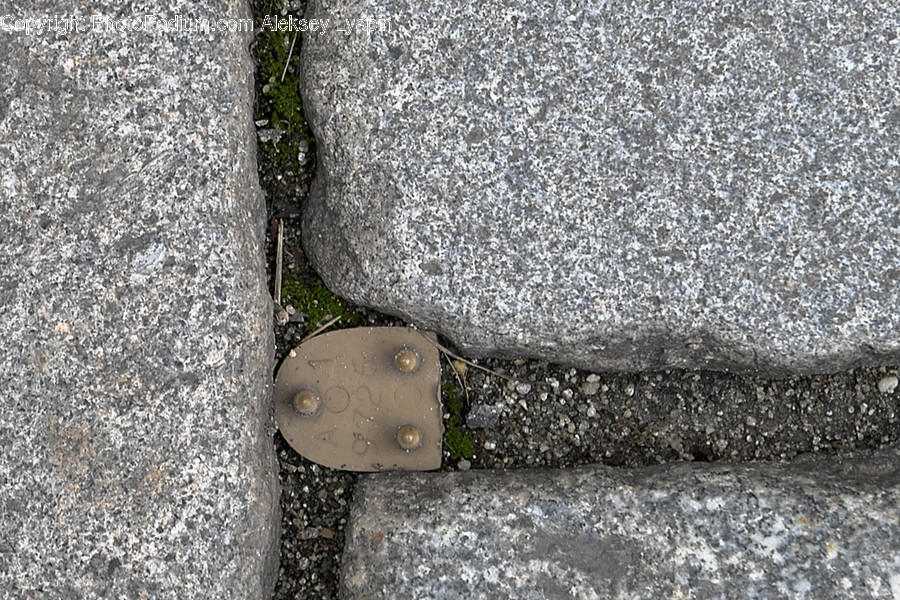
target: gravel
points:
(535, 414)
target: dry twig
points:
(471, 364)
(321, 329)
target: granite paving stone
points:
(615, 185)
(818, 527)
(136, 352)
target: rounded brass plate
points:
(342, 397)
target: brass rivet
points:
(408, 437)
(306, 402)
(406, 360)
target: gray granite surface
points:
(136, 353)
(814, 528)
(615, 185)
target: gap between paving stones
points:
(553, 416)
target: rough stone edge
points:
(266, 507)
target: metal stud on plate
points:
(365, 399)
(305, 402)
(408, 437)
(407, 360)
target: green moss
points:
(318, 303)
(456, 441)
(451, 398)
(280, 101)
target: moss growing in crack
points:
(318, 303)
(456, 442)
(451, 399)
(280, 101)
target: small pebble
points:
(888, 384)
(464, 465)
(482, 416)
(523, 388)
(590, 388)
(281, 315)
(460, 367)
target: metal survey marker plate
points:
(364, 399)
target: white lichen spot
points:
(148, 260)
(830, 550)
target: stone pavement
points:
(740, 176)
(816, 528)
(135, 366)
(615, 185)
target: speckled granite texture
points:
(616, 185)
(816, 528)
(136, 353)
